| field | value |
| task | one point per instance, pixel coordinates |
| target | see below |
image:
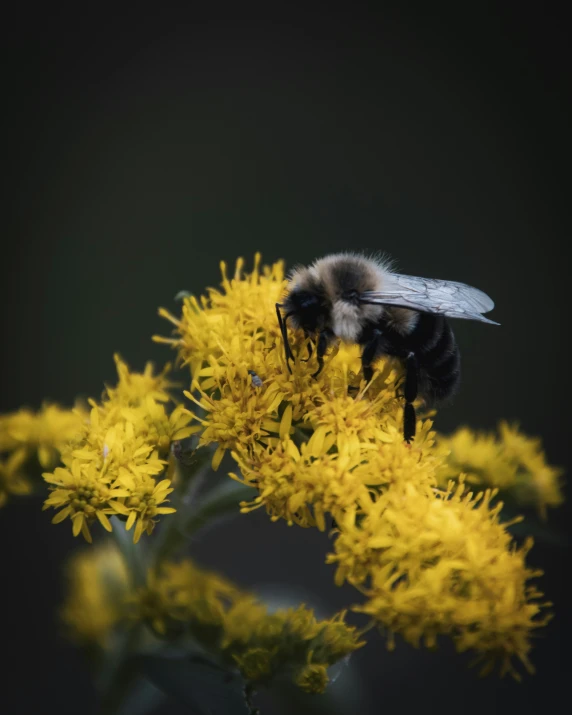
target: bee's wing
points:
(429, 295)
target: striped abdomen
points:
(438, 357)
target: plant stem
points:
(133, 554)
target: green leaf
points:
(200, 685)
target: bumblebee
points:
(361, 300)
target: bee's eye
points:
(309, 301)
(307, 309)
(304, 300)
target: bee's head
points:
(307, 309)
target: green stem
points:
(133, 554)
(190, 478)
(220, 501)
(117, 674)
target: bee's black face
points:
(307, 310)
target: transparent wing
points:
(429, 295)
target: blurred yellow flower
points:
(97, 591)
(181, 595)
(13, 480)
(181, 598)
(44, 433)
(511, 461)
(312, 678)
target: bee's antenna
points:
(282, 323)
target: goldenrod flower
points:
(256, 664)
(183, 595)
(97, 591)
(133, 388)
(287, 636)
(13, 480)
(511, 461)
(44, 433)
(439, 563)
(182, 598)
(334, 640)
(114, 465)
(83, 495)
(238, 415)
(312, 678)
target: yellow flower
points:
(301, 484)
(334, 640)
(266, 642)
(182, 598)
(145, 503)
(226, 325)
(440, 563)
(332, 472)
(256, 663)
(97, 589)
(114, 466)
(133, 388)
(239, 415)
(83, 495)
(12, 479)
(161, 429)
(180, 594)
(312, 678)
(44, 433)
(511, 461)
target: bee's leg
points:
(371, 350)
(309, 353)
(410, 391)
(287, 348)
(324, 340)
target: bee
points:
(361, 300)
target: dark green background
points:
(142, 149)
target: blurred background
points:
(141, 149)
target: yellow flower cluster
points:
(511, 461)
(97, 590)
(43, 433)
(430, 561)
(233, 625)
(13, 480)
(114, 463)
(439, 563)
(28, 438)
(182, 598)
